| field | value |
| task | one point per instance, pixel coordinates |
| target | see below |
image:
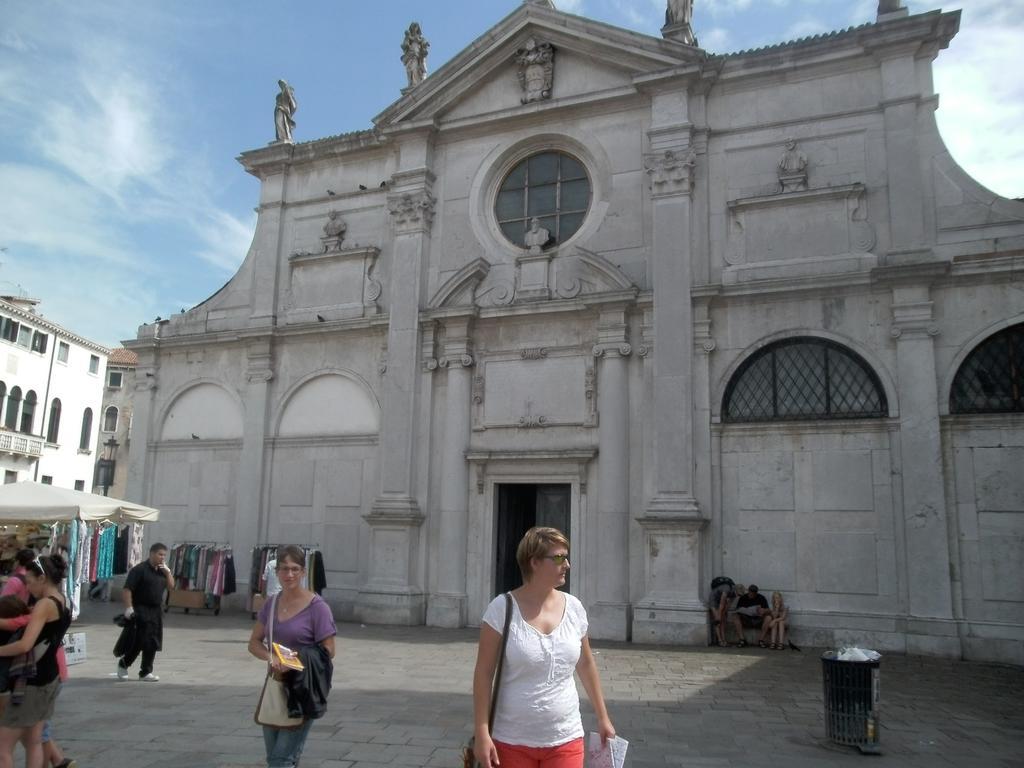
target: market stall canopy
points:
(29, 502)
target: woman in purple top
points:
(301, 619)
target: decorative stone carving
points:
(260, 376)
(612, 350)
(670, 173)
(497, 294)
(533, 353)
(411, 212)
(862, 234)
(284, 111)
(532, 422)
(792, 168)
(536, 70)
(414, 55)
(457, 361)
(334, 232)
(477, 390)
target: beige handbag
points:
(272, 708)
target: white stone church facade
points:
(763, 326)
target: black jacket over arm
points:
(308, 689)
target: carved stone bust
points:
(536, 236)
(792, 168)
(334, 231)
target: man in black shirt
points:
(143, 594)
(751, 611)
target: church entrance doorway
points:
(520, 507)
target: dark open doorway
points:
(520, 507)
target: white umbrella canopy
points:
(29, 502)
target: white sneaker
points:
(150, 678)
(122, 671)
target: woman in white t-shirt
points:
(537, 722)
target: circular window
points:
(551, 187)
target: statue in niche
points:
(679, 12)
(414, 54)
(536, 237)
(334, 231)
(284, 110)
(536, 70)
(792, 168)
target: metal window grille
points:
(991, 379)
(552, 187)
(801, 379)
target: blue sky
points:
(120, 120)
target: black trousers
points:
(148, 657)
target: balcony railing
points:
(22, 445)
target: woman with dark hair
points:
(301, 621)
(17, 584)
(42, 636)
(537, 717)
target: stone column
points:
(671, 609)
(930, 629)
(393, 592)
(250, 504)
(447, 606)
(610, 613)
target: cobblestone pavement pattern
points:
(401, 698)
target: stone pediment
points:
(589, 57)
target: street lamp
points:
(107, 463)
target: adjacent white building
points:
(709, 314)
(51, 385)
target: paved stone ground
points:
(401, 698)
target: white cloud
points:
(717, 40)
(225, 239)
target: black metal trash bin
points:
(851, 702)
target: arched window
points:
(991, 379)
(803, 378)
(53, 425)
(13, 406)
(110, 419)
(28, 412)
(83, 442)
(551, 187)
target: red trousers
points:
(568, 755)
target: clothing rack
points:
(204, 571)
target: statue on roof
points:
(888, 6)
(414, 54)
(679, 12)
(284, 109)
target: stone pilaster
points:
(250, 503)
(926, 535)
(447, 606)
(610, 612)
(901, 99)
(138, 485)
(670, 610)
(393, 593)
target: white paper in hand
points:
(611, 755)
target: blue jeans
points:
(284, 748)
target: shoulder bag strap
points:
(501, 661)
(270, 626)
